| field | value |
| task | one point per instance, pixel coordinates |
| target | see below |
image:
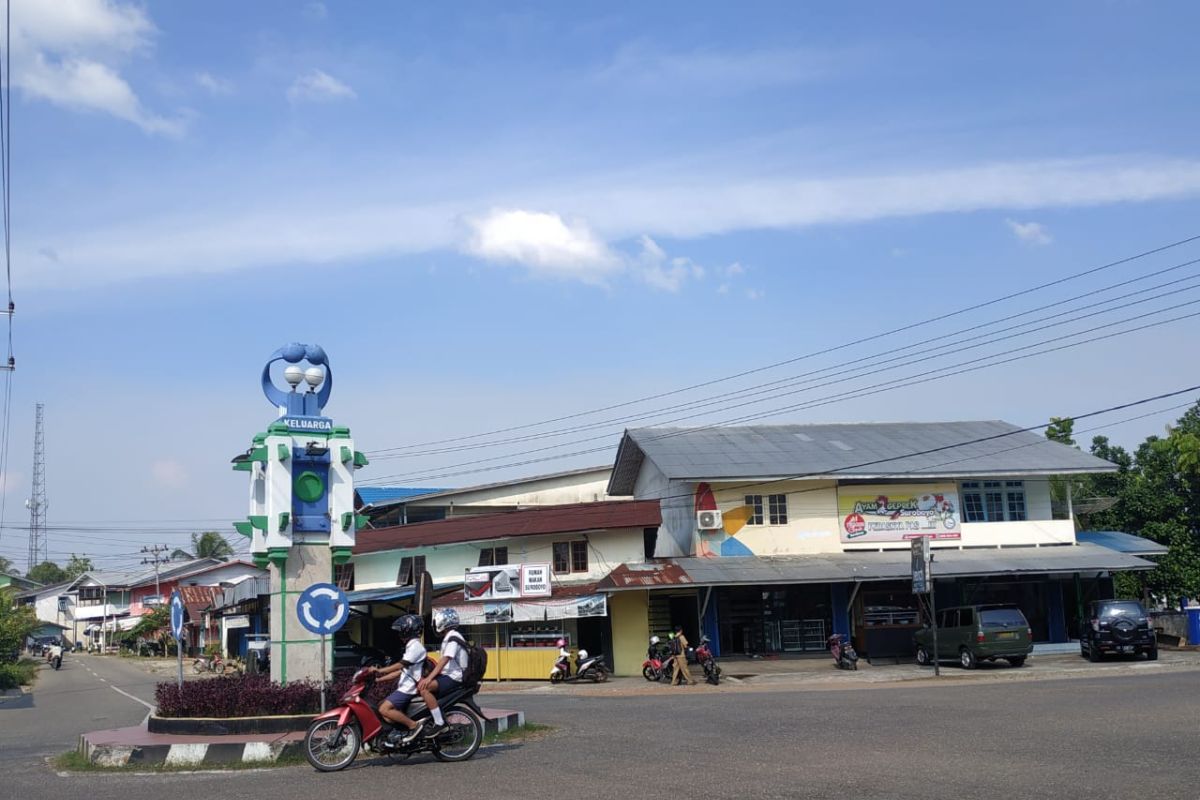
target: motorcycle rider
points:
(564, 656)
(409, 628)
(55, 652)
(447, 674)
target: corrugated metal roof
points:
(877, 566)
(439, 493)
(1123, 542)
(372, 495)
(524, 522)
(856, 450)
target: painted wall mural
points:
(722, 542)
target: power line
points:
(772, 387)
(825, 351)
(949, 371)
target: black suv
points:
(1116, 626)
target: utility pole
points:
(39, 548)
(157, 555)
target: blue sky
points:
(490, 217)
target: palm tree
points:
(208, 544)
(7, 567)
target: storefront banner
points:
(506, 582)
(898, 513)
(592, 605)
(239, 621)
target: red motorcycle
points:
(657, 665)
(335, 737)
(712, 671)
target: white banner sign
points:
(238, 621)
(506, 582)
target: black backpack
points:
(676, 649)
(477, 659)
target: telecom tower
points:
(39, 548)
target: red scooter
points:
(334, 738)
(658, 662)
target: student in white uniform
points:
(447, 675)
(408, 668)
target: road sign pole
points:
(322, 673)
(937, 670)
(179, 656)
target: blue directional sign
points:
(323, 608)
(177, 612)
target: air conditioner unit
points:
(708, 520)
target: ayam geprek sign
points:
(898, 513)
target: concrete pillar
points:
(630, 616)
(296, 653)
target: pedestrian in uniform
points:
(679, 646)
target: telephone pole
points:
(39, 547)
(157, 555)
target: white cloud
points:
(655, 269)
(1029, 232)
(280, 230)
(723, 288)
(318, 86)
(543, 242)
(68, 53)
(212, 84)
(735, 269)
(755, 294)
(315, 11)
(169, 474)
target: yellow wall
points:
(630, 615)
(517, 663)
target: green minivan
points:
(970, 634)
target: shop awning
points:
(1123, 542)
(869, 566)
(382, 595)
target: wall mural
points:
(722, 542)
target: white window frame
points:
(995, 500)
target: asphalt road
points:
(1129, 735)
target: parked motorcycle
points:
(843, 652)
(210, 664)
(587, 667)
(657, 665)
(712, 671)
(335, 737)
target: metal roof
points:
(386, 495)
(1123, 542)
(877, 566)
(440, 493)
(855, 450)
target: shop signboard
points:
(920, 565)
(592, 605)
(237, 621)
(507, 582)
(897, 513)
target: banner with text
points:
(507, 582)
(898, 513)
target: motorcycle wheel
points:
(556, 677)
(463, 738)
(649, 674)
(327, 753)
(198, 666)
(57, 663)
(712, 673)
(598, 674)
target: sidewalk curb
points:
(131, 747)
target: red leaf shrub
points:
(237, 696)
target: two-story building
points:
(576, 544)
(775, 536)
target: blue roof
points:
(1122, 542)
(370, 495)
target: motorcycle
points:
(657, 665)
(210, 664)
(843, 652)
(334, 738)
(712, 671)
(590, 667)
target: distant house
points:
(16, 582)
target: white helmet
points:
(582, 655)
(653, 640)
(445, 618)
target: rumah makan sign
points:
(507, 582)
(896, 513)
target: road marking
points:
(131, 697)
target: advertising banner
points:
(507, 582)
(898, 513)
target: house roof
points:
(191, 572)
(136, 577)
(440, 493)
(868, 566)
(855, 450)
(34, 592)
(1123, 542)
(507, 524)
(386, 495)
(196, 599)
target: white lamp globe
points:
(314, 376)
(293, 375)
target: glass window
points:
(501, 556)
(948, 619)
(993, 504)
(973, 507)
(966, 617)
(1002, 618)
(754, 501)
(343, 576)
(777, 509)
(562, 556)
(1016, 500)
(579, 557)
(493, 556)
(993, 501)
(485, 557)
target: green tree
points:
(1062, 430)
(16, 623)
(47, 573)
(77, 566)
(208, 544)
(7, 567)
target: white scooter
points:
(589, 667)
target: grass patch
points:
(530, 730)
(74, 761)
(21, 673)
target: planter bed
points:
(228, 726)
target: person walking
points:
(679, 646)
